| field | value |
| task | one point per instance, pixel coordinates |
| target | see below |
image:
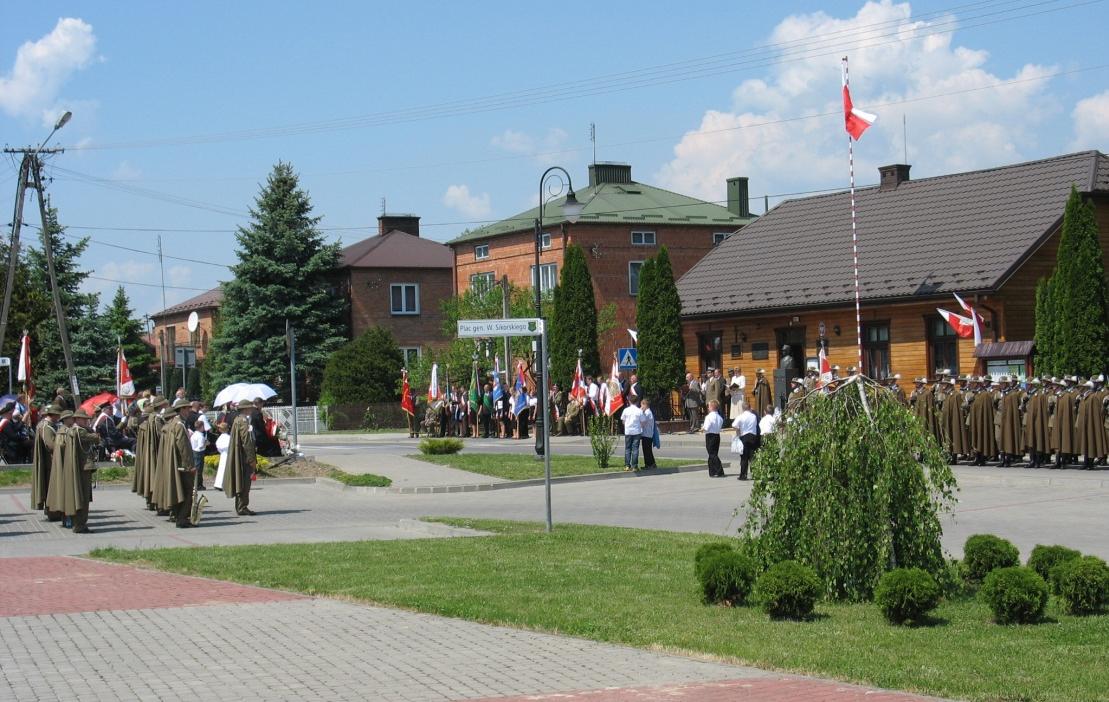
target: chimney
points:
(407, 223)
(608, 172)
(892, 176)
(739, 200)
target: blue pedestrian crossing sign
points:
(628, 358)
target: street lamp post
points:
(571, 210)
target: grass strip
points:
(526, 467)
(637, 587)
(116, 475)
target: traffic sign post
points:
(534, 327)
(628, 358)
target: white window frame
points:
(481, 252)
(720, 237)
(545, 240)
(490, 276)
(643, 238)
(630, 264)
(552, 278)
(403, 298)
(404, 350)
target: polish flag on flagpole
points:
(825, 368)
(976, 318)
(578, 391)
(125, 385)
(614, 399)
(855, 120)
(964, 327)
(25, 366)
(433, 385)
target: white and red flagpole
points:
(856, 122)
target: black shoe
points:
(162, 513)
(82, 530)
(246, 513)
(201, 488)
(742, 477)
(186, 525)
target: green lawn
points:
(523, 467)
(22, 477)
(117, 475)
(637, 587)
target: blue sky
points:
(979, 83)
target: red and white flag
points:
(125, 385)
(614, 398)
(578, 391)
(25, 376)
(407, 402)
(825, 368)
(976, 318)
(433, 393)
(855, 120)
(964, 327)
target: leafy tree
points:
(363, 370)
(286, 271)
(573, 325)
(1045, 328)
(1081, 333)
(140, 355)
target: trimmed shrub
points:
(984, 553)
(706, 551)
(439, 447)
(1083, 584)
(1044, 558)
(788, 590)
(906, 594)
(726, 576)
(1017, 595)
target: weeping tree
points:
(851, 485)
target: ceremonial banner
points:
(25, 376)
(406, 400)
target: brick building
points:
(623, 223)
(171, 326)
(987, 235)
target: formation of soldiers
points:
(64, 463)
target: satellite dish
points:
(194, 321)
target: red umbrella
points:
(95, 401)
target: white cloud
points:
(551, 142)
(963, 131)
(458, 197)
(1091, 122)
(41, 67)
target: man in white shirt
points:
(593, 393)
(632, 418)
(199, 442)
(712, 426)
(648, 437)
(746, 427)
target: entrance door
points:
(794, 337)
(710, 349)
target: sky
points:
(452, 111)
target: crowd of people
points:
(168, 442)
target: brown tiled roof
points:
(955, 233)
(204, 300)
(397, 249)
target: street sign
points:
(5, 361)
(477, 328)
(184, 356)
(628, 358)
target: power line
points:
(146, 285)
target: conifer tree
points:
(573, 325)
(286, 271)
(646, 315)
(661, 351)
(1045, 329)
(139, 354)
(1081, 336)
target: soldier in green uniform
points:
(1090, 426)
(1035, 431)
(951, 425)
(796, 393)
(1062, 428)
(983, 432)
(70, 489)
(1011, 442)
(45, 435)
(924, 406)
(242, 460)
(141, 427)
(763, 400)
(175, 467)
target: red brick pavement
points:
(63, 585)
(783, 689)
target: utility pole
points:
(13, 247)
(507, 339)
(162, 334)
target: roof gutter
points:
(873, 302)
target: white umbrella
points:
(243, 391)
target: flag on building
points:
(125, 385)
(24, 371)
(521, 400)
(855, 120)
(614, 398)
(975, 318)
(433, 393)
(578, 391)
(964, 327)
(407, 402)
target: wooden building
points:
(787, 279)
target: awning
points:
(1004, 349)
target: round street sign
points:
(194, 321)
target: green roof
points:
(618, 203)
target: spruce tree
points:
(666, 350)
(573, 325)
(286, 271)
(139, 354)
(1081, 336)
(29, 304)
(1045, 329)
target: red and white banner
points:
(407, 402)
(855, 120)
(825, 368)
(578, 391)
(964, 326)
(125, 385)
(975, 318)
(614, 398)
(433, 393)
(25, 375)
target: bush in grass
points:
(788, 590)
(1016, 594)
(726, 576)
(211, 464)
(907, 594)
(1083, 584)
(440, 447)
(984, 553)
(705, 551)
(1044, 558)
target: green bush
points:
(601, 439)
(788, 590)
(1044, 558)
(1083, 584)
(363, 370)
(726, 576)
(1016, 594)
(705, 551)
(906, 594)
(439, 447)
(984, 553)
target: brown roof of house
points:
(955, 233)
(1004, 349)
(397, 249)
(204, 300)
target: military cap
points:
(80, 413)
(53, 409)
(244, 404)
(798, 381)
(835, 367)
(896, 376)
(1003, 379)
(1035, 381)
(65, 415)
(159, 402)
(922, 380)
(147, 408)
(179, 405)
(760, 371)
(1089, 383)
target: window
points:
(545, 240)
(720, 237)
(643, 238)
(943, 345)
(633, 276)
(481, 252)
(411, 355)
(404, 298)
(483, 282)
(548, 276)
(876, 350)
